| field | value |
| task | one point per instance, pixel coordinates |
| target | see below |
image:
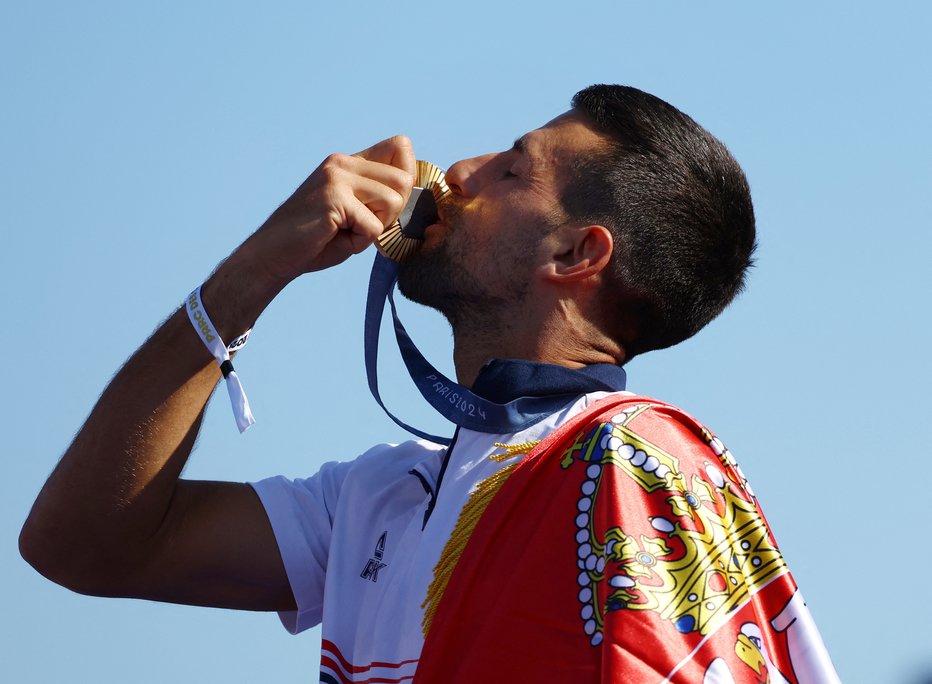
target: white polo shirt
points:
(360, 541)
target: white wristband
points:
(211, 339)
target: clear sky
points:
(140, 142)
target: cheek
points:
(491, 241)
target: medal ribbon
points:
(457, 403)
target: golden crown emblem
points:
(712, 550)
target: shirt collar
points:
(503, 380)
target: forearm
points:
(113, 517)
(112, 489)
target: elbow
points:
(35, 548)
(31, 546)
(56, 559)
(38, 548)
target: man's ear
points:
(577, 253)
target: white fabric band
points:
(211, 339)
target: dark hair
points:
(679, 209)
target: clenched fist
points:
(342, 207)
(340, 210)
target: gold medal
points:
(403, 237)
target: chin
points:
(422, 278)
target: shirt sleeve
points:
(301, 514)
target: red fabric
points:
(514, 609)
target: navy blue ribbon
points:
(557, 384)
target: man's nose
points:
(466, 177)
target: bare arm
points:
(113, 518)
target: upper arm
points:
(215, 547)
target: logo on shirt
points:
(371, 571)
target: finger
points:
(383, 188)
(342, 168)
(395, 178)
(361, 224)
(396, 151)
(383, 201)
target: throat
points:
(471, 352)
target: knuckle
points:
(328, 173)
(331, 168)
(335, 161)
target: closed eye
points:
(518, 150)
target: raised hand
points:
(340, 209)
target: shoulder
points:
(391, 455)
(386, 462)
(380, 465)
(635, 416)
(653, 441)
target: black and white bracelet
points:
(211, 339)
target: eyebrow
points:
(520, 145)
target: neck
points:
(477, 341)
(473, 348)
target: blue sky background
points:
(141, 142)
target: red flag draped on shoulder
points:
(627, 546)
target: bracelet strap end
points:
(241, 409)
